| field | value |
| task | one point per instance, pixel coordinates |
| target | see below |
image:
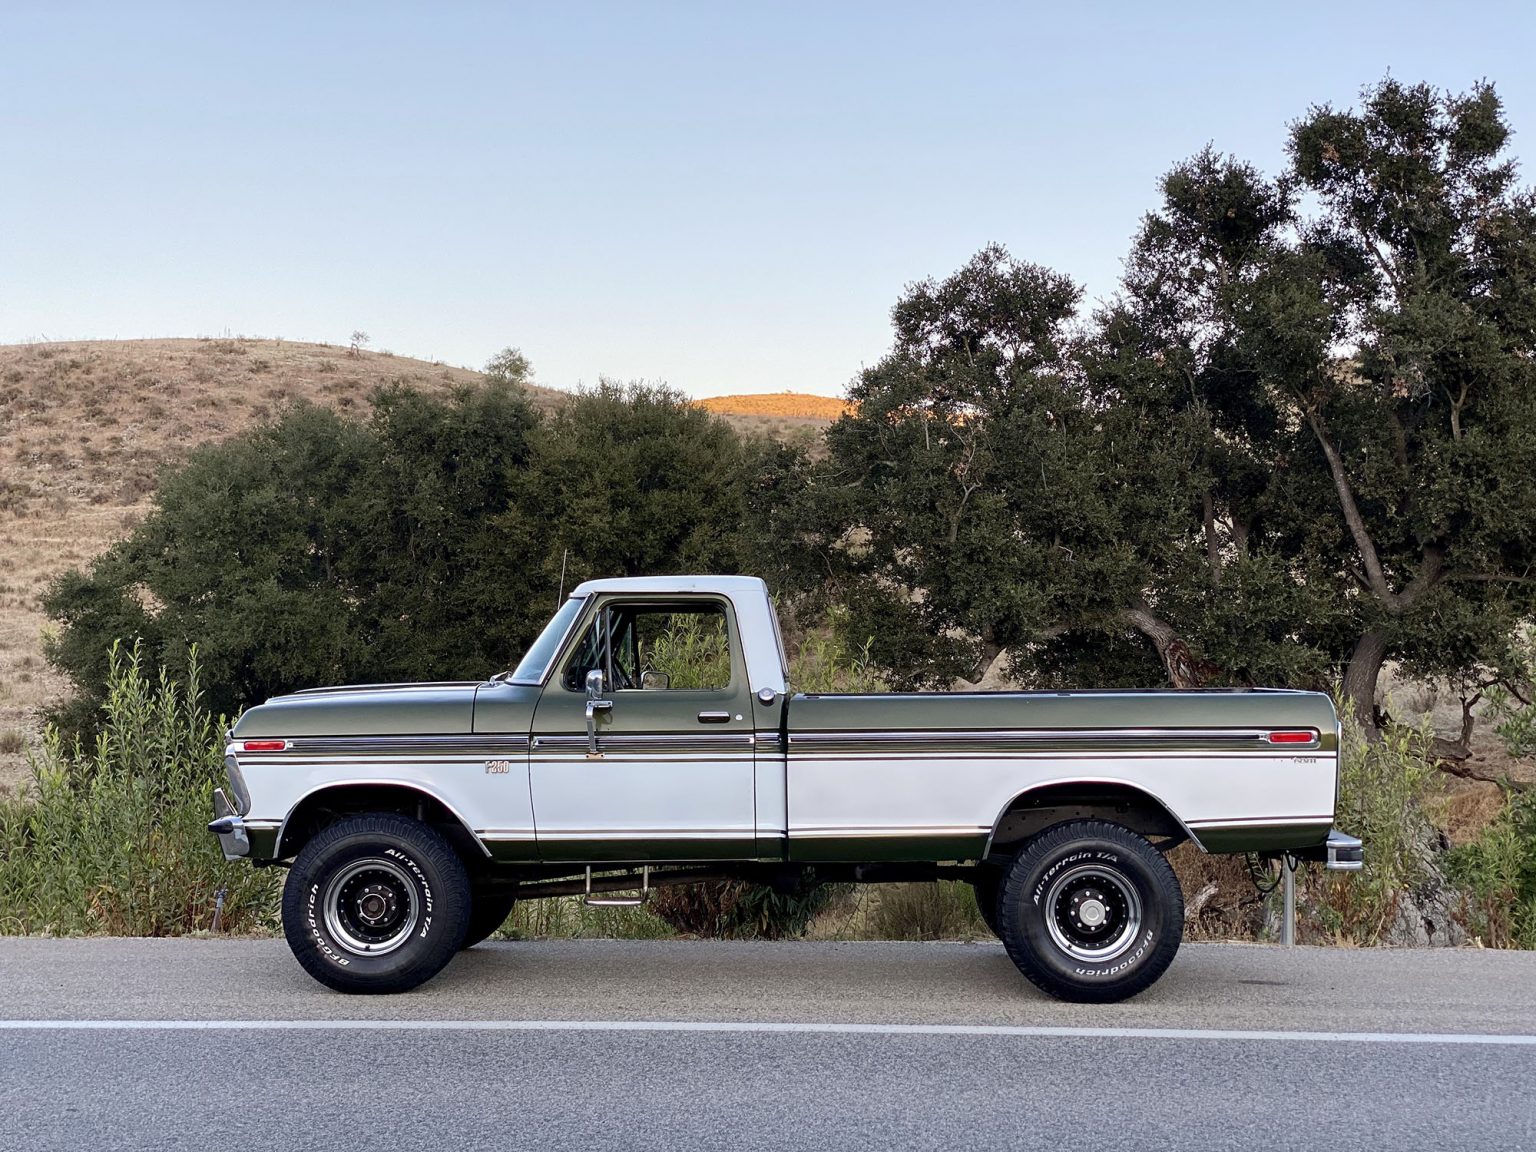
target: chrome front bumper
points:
(229, 828)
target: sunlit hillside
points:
(799, 405)
(87, 426)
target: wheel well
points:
(324, 807)
(1040, 808)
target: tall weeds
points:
(113, 838)
(1382, 787)
(1497, 876)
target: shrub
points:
(114, 839)
(1381, 788)
(942, 910)
(692, 654)
(1497, 875)
(570, 917)
(735, 909)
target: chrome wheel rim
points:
(371, 907)
(1093, 912)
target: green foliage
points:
(1301, 440)
(736, 909)
(1516, 715)
(570, 917)
(1382, 786)
(1517, 723)
(823, 663)
(1497, 875)
(942, 910)
(692, 653)
(510, 368)
(425, 541)
(636, 481)
(114, 838)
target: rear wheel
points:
(375, 903)
(1091, 912)
(489, 908)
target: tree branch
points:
(1177, 659)
(1431, 572)
(1212, 546)
(1375, 577)
(1431, 567)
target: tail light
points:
(1293, 737)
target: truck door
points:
(655, 761)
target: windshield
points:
(530, 670)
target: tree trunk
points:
(1360, 680)
(1177, 659)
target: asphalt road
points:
(679, 1045)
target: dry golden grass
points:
(86, 427)
(796, 405)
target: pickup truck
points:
(651, 736)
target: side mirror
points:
(595, 685)
(655, 680)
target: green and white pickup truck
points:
(651, 736)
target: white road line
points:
(1263, 1035)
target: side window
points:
(654, 648)
(674, 649)
(588, 655)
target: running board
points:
(592, 901)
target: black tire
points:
(988, 883)
(1091, 912)
(489, 908)
(375, 903)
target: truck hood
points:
(366, 710)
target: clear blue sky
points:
(722, 198)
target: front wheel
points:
(489, 907)
(1091, 912)
(988, 882)
(375, 903)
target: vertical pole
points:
(1288, 917)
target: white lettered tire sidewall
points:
(1097, 848)
(437, 887)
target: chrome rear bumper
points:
(1346, 853)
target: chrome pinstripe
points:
(1216, 738)
(309, 746)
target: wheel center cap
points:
(374, 904)
(1091, 912)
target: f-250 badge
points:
(497, 767)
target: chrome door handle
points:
(714, 717)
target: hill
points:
(86, 427)
(791, 405)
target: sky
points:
(727, 198)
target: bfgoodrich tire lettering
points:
(375, 903)
(1091, 912)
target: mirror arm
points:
(596, 685)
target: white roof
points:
(725, 585)
(754, 615)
